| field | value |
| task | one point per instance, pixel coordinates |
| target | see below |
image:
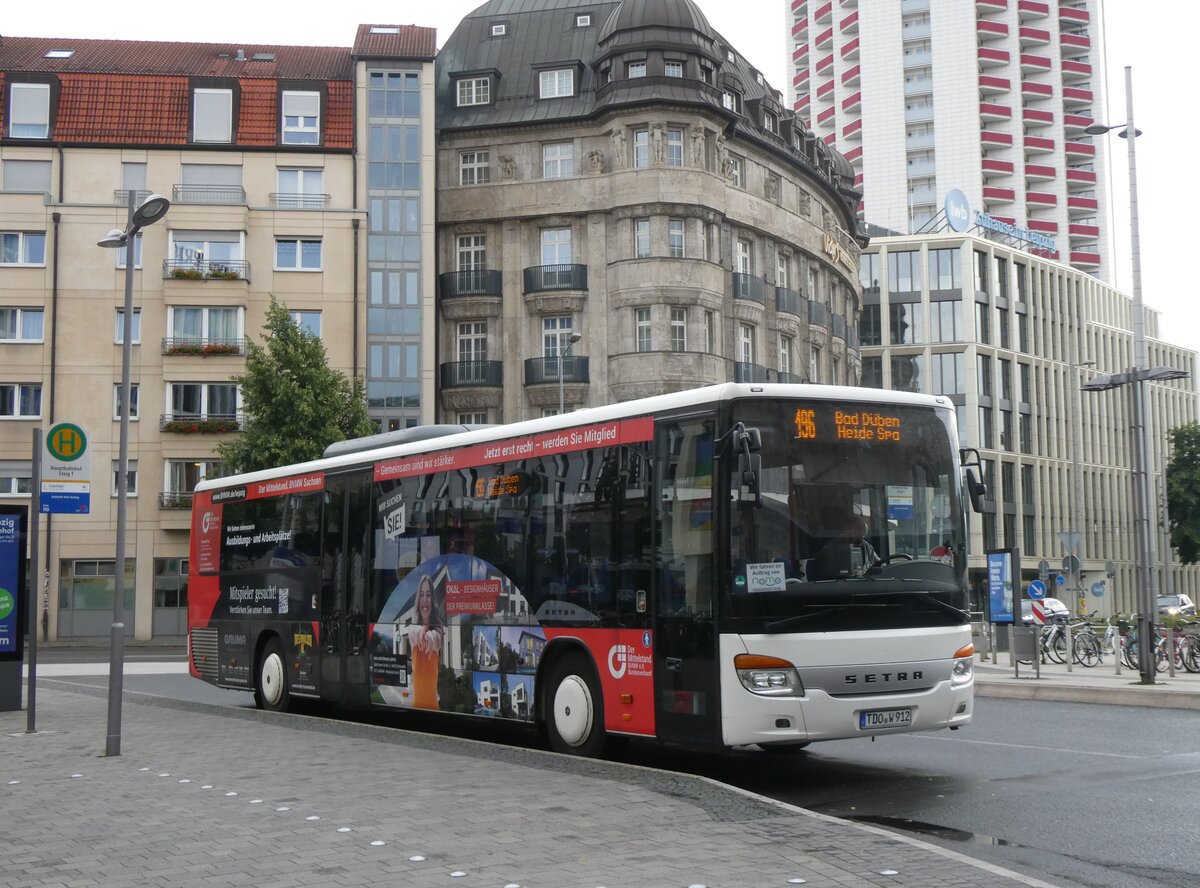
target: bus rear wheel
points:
(574, 708)
(271, 686)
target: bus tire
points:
(574, 707)
(271, 682)
(783, 748)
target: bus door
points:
(344, 566)
(686, 681)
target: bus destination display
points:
(861, 424)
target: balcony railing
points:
(747, 286)
(839, 326)
(175, 501)
(477, 282)
(789, 378)
(464, 374)
(201, 423)
(744, 372)
(546, 278)
(790, 301)
(283, 201)
(818, 314)
(225, 195)
(206, 270)
(182, 345)
(121, 197)
(852, 340)
(574, 368)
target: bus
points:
(733, 565)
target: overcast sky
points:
(1157, 39)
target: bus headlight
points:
(964, 665)
(768, 676)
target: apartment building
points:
(626, 207)
(1010, 336)
(303, 173)
(990, 97)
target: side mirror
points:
(976, 490)
(749, 478)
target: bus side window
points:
(687, 526)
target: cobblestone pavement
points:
(212, 796)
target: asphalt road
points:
(1077, 794)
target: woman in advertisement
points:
(425, 644)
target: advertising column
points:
(13, 598)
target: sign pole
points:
(34, 574)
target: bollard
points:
(1070, 650)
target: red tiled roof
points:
(257, 117)
(410, 42)
(339, 115)
(122, 108)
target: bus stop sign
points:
(66, 471)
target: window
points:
(16, 477)
(59, 53)
(27, 175)
(297, 254)
(787, 345)
(907, 373)
(558, 160)
(675, 243)
(19, 400)
(499, 29)
(478, 418)
(945, 272)
(771, 121)
(206, 248)
(301, 118)
(746, 343)
(211, 183)
(678, 329)
(137, 252)
(308, 321)
(182, 475)
(673, 69)
(641, 148)
(198, 399)
(473, 168)
(556, 84)
(21, 324)
(743, 256)
(635, 69)
(29, 111)
(782, 273)
(133, 401)
(196, 324)
(904, 271)
(474, 91)
(946, 321)
(674, 147)
(556, 336)
(583, 20)
(905, 321)
(556, 246)
(130, 477)
(212, 115)
(710, 331)
(731, 101)
(471, 343)
(89, 585)
(947, 373)
(300, 189)
(706, 73)
(119, 335)
(22, 248)
(872, 372)
(472, 252)
(641, 326)
(870, 326)
(737, 171)
(641, 238)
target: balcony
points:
(201, 423)
(788, 300)
(853, 130)
(800, 7)
(991, 111)
(823, 39)
(918, 86)
(823, 13)
(747, 286)
(1081, 178)
(1079, 150)
(1033, 64)
(993, 195)
(799, 80)
(1045, 226)
(121, 197)
(745, 372)
(1041, 199)
(182, 345)
(839, 327)
(1081, 231)
(824, 64)
(992, 139)
(206, 270)
(472, 374)
(825, 90)
(987, 6)
(818, 314)
(218, 195)
(1075, 44)
(991, 30)
(1032, 91)
(175, 501)
(799, 53)
(1038, 145)
(854, 154)
(799, 29)
(1027, 10)
(1075, 124)
(1074, 15)
(851, 76)
(1084, 259)
(825, 116)
(1082, 206)
(1039, 172)
(850, 50)
(852, 102)
(992, 58)
(1075, 97)
(992, 167)
(1033, 37)
(991, 85)
(540, 371)
(849, 25)
(283, 201)
(1035, 117)
(852, 340)
(476, 282)
(1073, 70)
(549, 278)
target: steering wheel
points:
(903, 556)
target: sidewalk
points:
(212, 796)
(1099, 684)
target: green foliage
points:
(1183, 491)
(295, 405)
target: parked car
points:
(1176, 606)
(1051, 607)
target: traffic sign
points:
(66, 471)
(1098, 589)
(1060, 580)
(1036, 590)
(1070, 539)
(1043, 570)
(1071, 563)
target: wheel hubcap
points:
(272, 679)
(573, 710)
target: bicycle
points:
(1085, 646)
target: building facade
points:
(990, 97)
(301, 173)
(627, 208)
(1010, 337)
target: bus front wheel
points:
(574, 709)
(271, 688)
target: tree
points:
(1183, 491)
(296, 405)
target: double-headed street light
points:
(149, 211)
(562, 367)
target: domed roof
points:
(636, 14)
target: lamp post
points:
(562, 359)
(1075, 534)
(149, 211)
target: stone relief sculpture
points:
(698, 139)
(657, 139)
(724, 162)
(508, 167)
(618, 147)
(772, 188)
(596, 161)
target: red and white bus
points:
(737, 564)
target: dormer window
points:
(29, 111)
(499, 29)
(635, 69)
(731, 101)
(771, 122)
(583, 20)
(59, 54)
(474, 91)
(706, 73)
(729, 55)
(556, 84)
(673, 69)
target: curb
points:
(1037, 689)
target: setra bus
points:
(732, 565)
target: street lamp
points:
(1072, 540)
(562, 359)
(149, 211)
(1136, 378)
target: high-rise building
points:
(989, 97)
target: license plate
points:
(885, 718)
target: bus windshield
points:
(856, 523)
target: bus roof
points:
(711, 394)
